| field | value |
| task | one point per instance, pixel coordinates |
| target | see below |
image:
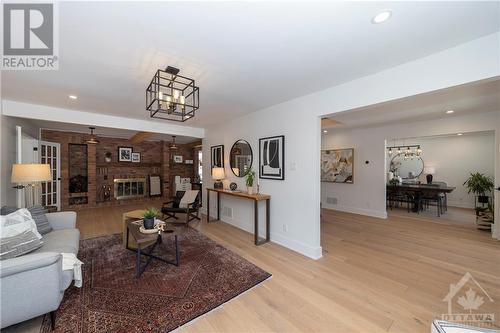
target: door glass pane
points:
(54, 198)
(44, 188)
(54, 151)
(49, 200)
(49, 151)
(44, 201)
(43, 150)
(54, 187)
(43, 160)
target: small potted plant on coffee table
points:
(149, 217)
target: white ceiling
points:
(244, 55)
(107, 132)
(466, 99)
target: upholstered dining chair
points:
(184, 202)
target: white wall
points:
(295, 201)
(8, 154)
(454, 158)
(367, 195)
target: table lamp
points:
(429, 171)
(30, 175)
(218, 175)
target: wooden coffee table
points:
(151, 241)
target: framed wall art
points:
(337, 165)
(272, 157)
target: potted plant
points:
(250, 177)
(149, 217)
(479, 184)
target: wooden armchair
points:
(173, 207)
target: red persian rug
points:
(163, 298)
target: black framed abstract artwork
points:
(272, 157)
(124, 154)
(217, 156)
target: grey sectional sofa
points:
(34, 284)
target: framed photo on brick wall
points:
(124, 154)
(136, 157)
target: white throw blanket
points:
(70, 261)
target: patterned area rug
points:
(163, 298)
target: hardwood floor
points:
(375, 276)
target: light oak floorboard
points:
(375, 275)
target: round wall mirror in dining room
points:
(407, 168)
(240, 158)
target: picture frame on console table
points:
(272, 157)
(124, 154)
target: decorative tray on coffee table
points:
(158, 226)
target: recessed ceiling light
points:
(450, 111)
(382, 17)
(459, 134)
(73, 96)
(325, 131)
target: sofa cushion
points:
(61, 241)
(15, 246)
(6, 210)
(38, 214)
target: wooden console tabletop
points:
(256, 198)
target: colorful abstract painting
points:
(337, 165)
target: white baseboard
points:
(304, 249)
(309, 251)
(357, 210)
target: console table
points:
(255, 198)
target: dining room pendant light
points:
(93, 139)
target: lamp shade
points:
(30, 173)
(429, 170)
(218, 173)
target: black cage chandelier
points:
(171, 96)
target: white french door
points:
(50, 153)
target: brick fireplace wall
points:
(156, 159)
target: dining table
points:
(416, 190)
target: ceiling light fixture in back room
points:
(93, 139)
(171, 96)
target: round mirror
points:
(240, 158)
(407, 168)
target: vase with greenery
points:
(149, 217)
(250, 177)
(480, 185)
